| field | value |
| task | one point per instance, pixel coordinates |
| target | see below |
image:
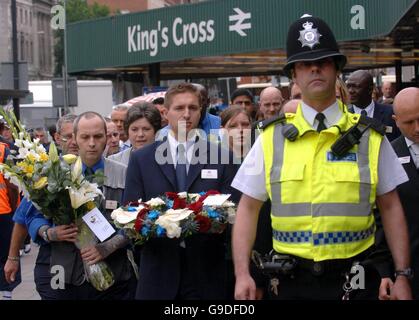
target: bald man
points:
(406, 114)
(388, 93)
(360, 86)
(270, 102)
(291, 106)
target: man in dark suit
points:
(183, 161)
(360, 86)
(406, 114)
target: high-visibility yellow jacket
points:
(321, 204)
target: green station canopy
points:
(232, 37)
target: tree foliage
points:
(76, 10)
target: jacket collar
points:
(344, 122)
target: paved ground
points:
(26, 290)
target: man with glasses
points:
(64, 135)
(112, 138)
(118, 116)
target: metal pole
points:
(398, 67)
(64, 69)
(15, 59)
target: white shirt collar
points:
(332, 114)
(412, 145)
(126, 143)
(173, 143)
(369, 109)
(414, 151)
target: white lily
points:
(19, 143)
(27, 144)
(231, 215)
(87, 192)
(77, 170)
(123, 217)
(228, 204)
(182, 195)
(53, 153)
(40, 149)
(170, 221)
(23, 153)
(176, 215)
(155, 202)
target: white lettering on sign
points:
(182, 34)
(141, 40)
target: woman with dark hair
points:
(237, 124)
(141, 125)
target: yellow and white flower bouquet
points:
(57, 188)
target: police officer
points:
(322, 200)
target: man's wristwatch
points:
(45, 235)
(408, 273)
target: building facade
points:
(127, 6)
(34, 36)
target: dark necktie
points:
(181, 168)
(363, 113)
(88, 174)
(320, 118)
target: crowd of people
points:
(300, 197)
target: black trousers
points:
(6, 228)
(121, 290)
(303, 284)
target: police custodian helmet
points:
(309, 39)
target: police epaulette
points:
(375, 124)
(265, 123)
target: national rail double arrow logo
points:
(239, 26)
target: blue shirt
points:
(208, 123)
(100, 165)
(26, 214)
